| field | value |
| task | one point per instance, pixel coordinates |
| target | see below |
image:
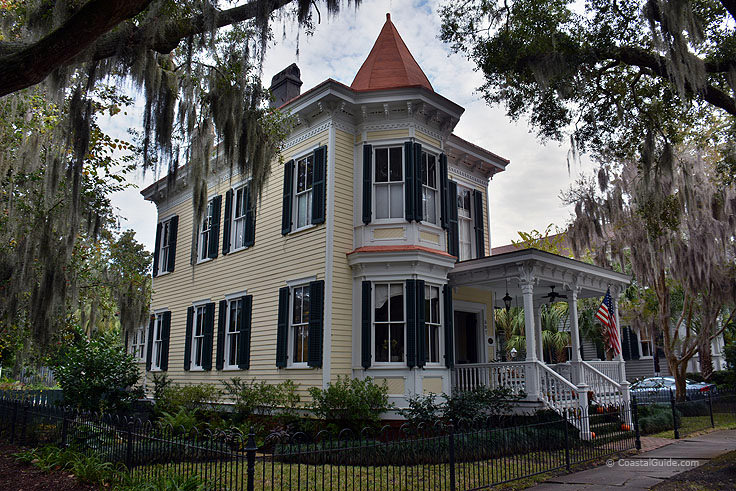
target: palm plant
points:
(554, 339)
(511, 324)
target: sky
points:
(522, 198)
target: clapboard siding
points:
(260, 270)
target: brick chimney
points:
(286, 85)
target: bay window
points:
(389, 323)
(389, 182)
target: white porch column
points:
(577, 367)
(622, 364)
(531, 375)
(538, 331)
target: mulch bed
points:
(17, 476)
(717, 474)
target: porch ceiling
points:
(542, 268)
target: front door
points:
(467, 346)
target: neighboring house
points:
(349, 265)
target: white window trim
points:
(473, 245)
(200, 259)
(226, 344)
(192, 357)
(134, 347)
(641, 352)
(437, 190)
(440, 337)
(304, 282)
(387, 364)
(295, 183)
(402, 218)
(161, 264)
(235, 189)
(158, 318)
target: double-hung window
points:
(300, 308)
(138, 343)
(432, 323)
(304, 176)
(389, 325)
(205, 232)
(232, 332)
(158, 342)
(465, 222)
(164, 250)
(198, 337)
(646, 346)
(389, 182)
(429, 187)
(240, 207)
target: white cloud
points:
(524, 197)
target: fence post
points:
(129, 446)
(250, 449)
(710, 408)
(567, 442)
(637, 432)
(674, 415)
(452, 457)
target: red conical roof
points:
(390, 64)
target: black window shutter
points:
(209, 328)
(173, 233)
(221, 317)
(453, 239)
(319, 185)
(188, 338)
(149, 348)
(449, 333)
(249, 231)
(227, 222)
(411, 323)
(480, 239)
(366, 328)
(156, 250)
(282, 328)
(214, 245)
(443, 190)
(287, 202)
(625, 344)
(316, 322)
(246, 320)
(367, 183)
(421, 334)
(418, 189)
(409, 182)
(634, 343)
(165, 335)
(127, 348)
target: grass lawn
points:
(693, 424)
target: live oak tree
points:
(670, 223)
(607, 72)
(197, 65)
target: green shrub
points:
(96, 374)
(88, 468)
(183, 421)
(350, 402)
(193, 398)
(654, 418)
(261, 397)
(170, 482)
(423, 410)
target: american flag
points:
(607, 317)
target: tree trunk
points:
(680, 381)
(705, 357)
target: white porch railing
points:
(493, 375)
(556, 391)
(608, 368)
(606, 391)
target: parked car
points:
(657, 389)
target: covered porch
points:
(528, 277)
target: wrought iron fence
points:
(435, 457)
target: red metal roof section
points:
(389, 65)
(398, 248)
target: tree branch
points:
(30, 64)
(84, 37)
(730, 5)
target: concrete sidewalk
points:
(648, 468)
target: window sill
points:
(196, 369)
(163, 273)
(232, 369)
(300, 366)
(201, 261)
(303, 229)
(645, 358)
(389, 366)
(155, 370)
(387, 221)
(233, 251)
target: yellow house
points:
(344, 267)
